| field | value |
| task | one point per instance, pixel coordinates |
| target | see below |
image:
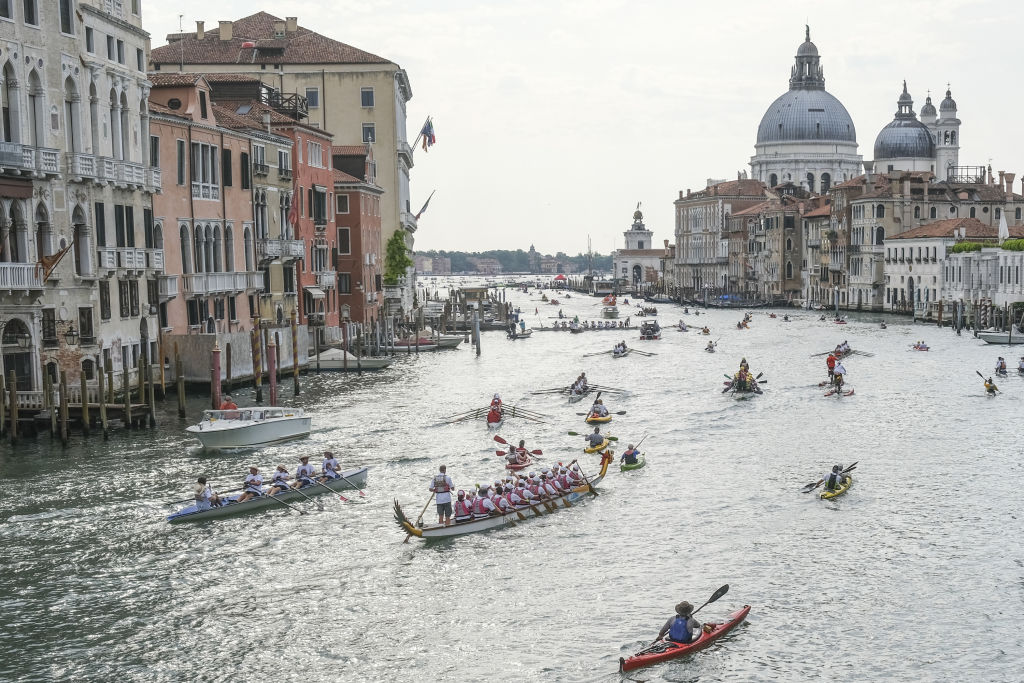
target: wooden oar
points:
(319, 504)
(584, 475)
(275, 498)
(810, 487)
(343, 498)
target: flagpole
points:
(420, 136)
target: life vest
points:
(680, 630)
(494, 415)
(535, 489)
(441, 484)
(563, 481)
(478, 507)
(831, 362)
(462, 508)
(521, 456)
(834, 480)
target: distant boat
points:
(1003, 338)
(335, 359)
(249, 427)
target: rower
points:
(629, 455)
(1001, 365)
(839, 371)
(252, 486)
(1020, 365)
(279, 482)
(494, 415)
(204, 495)
(304, 473)
(482, 506)
(441, 485)
(329, 468)
(831, 363)
(228, 404)
(463, 509)
(681, 627)
(744, 365)
(520, 497)
(496, 401)
(706, 330)
(834, 479)
(710, 346)
(595, 439)
(573, 475)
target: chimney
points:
(200, 30)
(226, 29)
(1009, 184)
(291, 24)
(869, 166)
(266, 120)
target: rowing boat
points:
(640, 462)
(843, 488)
(495, 426)
(664, 650)
(574, 397)
(620, 354)
(356, 479)
(597, 449)
(549, 505)
(595, 420)
(834, 392)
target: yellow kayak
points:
(597, 449)
(844, 486)
(594, 420)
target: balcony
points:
(155, 259)
(293, 105)
(408, 221)
(270, 249)
(284, 173)
(20, 277)
(43, 161)
(12, 156)
(154, 179)
(105, 169)
(260, 169)
(254, 281)
(81, 166)
(405, 152)
(813, 243)
(167, 287)
(213, 283)
(853, 248)
(131, 258)
(205, 191)
(129, 174)
(327, 279)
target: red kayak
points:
(664, 650)
(516, 466)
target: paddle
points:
(343, 498)
(533, 452)
(584, 475)
(620, 412)
(610, 438)
(319, 504)
(275, 498)
(986, 381)
(714, 596)
(810, 487)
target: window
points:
(972, 212)
(369, 134)
(101, 226)
(111, 52)
(313, 97)
(932, 212)
(122, 297)
(31, 13)
(140, 59)
(181, 162)
(202, 104)
(341, 203)
(284, 160)
(85, 329)
(999, 213)
(120, 52)
(1016, 213)
(917, 212)
(315, 157)
(49, 327)
(366, 97)
(5, 9)
(154, 151)
(302, 209)
(135, 7)
(243, 167)
(119, 225)
(225, 164)
(147, 228)
(129, 225)
(344, 242)
(344, 283)
(133, 296)
(67, 21)
(104, 299)
(204, 171)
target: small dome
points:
(948, 104)
(638, 215)
(928, 109)
(904, 138)
(905, 97)
(807, 48)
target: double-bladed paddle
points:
(994, 387)
(610, 438)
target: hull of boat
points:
(357, 477)
(1001, 338)
(223, 435)
(843, 488)
(367, 363)
(640, 462)
(495, 426)
(598, 420)
(665, 650)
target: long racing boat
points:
(546, 506)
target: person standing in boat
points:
(330, 468)
(831, 363)
(252, 487)
(279, 482)
(596, 438)
(681, 627)
(304, 473)
(204, 495)
(441, 485)
(840, 375)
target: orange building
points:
(357, 214)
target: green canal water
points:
(914, 575)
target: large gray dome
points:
(812, 115)
(904, 138)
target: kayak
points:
(593, 420)
(663, 650)
(596, 449)
(516, 466)
(833, 392)
(640, 462)
(843, 488)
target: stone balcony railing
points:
(327, 279)
(254, 281)
(813, 243)
(42, 160)
(167, 287)
(205, 191)
(155, 259)
(154, 178)
(221, 283)
(130, 174)
(82, 166)
(270, 249)
(408, 221)
(20, 277)
(130, 258)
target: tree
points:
(396, 258)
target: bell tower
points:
(638, 236)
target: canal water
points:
(913, 575)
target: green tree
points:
(396, 258)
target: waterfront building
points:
(640, 262)
(806, 136)
(78, 249)
(359, 261)
(358, 96)
(702, 246)
(815, 275)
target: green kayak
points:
(640, 462)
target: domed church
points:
(931, 144)
(806, 137)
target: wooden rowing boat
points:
(357, 477)
(549, 505)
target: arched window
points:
(200, 249)
(9, 100)
(789, 244)
(286, 229)
(972, 212)
(952, 210)
(71, 116)
(218, 250)
(879, 235)
(17, 235)
(229, 250)
(880, 211)
(89, 368)
(952, 137)
(83, 250)
(247, 245)
(773, 180)
(932, 212)
(789, 270)
(186, 261)
(208, 262)
(810, 182)
(125, 130)
(158, 236)
(36, 107)
(44, 245)
(917, 212)
(115, 127)
(826, 182)
(94, 118)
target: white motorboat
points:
(610, 312)
(249, 427)
(1003, 338)
(449, 341)
(336, 359)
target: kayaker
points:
(304, 473)
(599, 409)
(279, 482)
(710, 346)
(442, 486)
(595, 439)
(1020, 365)
(681, 627)
(496, 401)
(204, 495)
(463, 509)
(228, 404)
(834, 479)
(629, 455)
(329, 468)
(991, 387)
(252, 486)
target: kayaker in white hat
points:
(681, 627)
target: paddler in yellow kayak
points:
(991, 387)
(596, 439)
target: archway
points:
(637, 274)
(82, 242)
(18, 358)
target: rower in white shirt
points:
(482, 505)
(252, 486)
(279, 482)
(204, 495)
(304, 473)
(330, 468)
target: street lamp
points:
(71, 337)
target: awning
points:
(315, 292)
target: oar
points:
(714, 596)
(319, 504)
(299, 510)
(343, 498)
(584, 475)
(610, 438)
(810, 487)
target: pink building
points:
(357, 213)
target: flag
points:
(293, 212)
(46, 264)
(427, 133)
(425, 205)
(1004, 230)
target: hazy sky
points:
(553, 119)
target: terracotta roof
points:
(823, 210)
(301, 47)
(229, 119)
(162, 80)
(157, 108)
(349, 150)
(231, 78)
(753, 210)
(342, 177)
(975, 229)
(254, 111)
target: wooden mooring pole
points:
(85, 404)
(179, 380)
(64, 408)
(103, 400)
